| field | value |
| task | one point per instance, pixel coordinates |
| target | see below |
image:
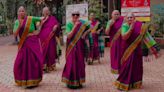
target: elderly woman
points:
(94, 52)
(133, 34)
(28, 63)
(113, 30)
(48, 36)
(74, 70)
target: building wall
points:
(157, 7)
(156, 1)
(154, 4)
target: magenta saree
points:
(48, 42)
(94, 47)
(28, 63)
(131, 61)
(115, 41)
(74, 70)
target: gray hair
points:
(21, 7)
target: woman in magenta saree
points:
(48, 36)
(74, 70)
(113, 30)
(94, 52)
(28, 63)
(131, 73)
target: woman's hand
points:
(43, 19)
(112, 22)
(36, 32)
(110, 26)
(132, 25)
(77, 23)
(55, 28)
(69, 35)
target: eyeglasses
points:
(75, 14)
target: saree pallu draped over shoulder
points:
(131, 72)
(74, 70)
(28, 63)
(94, 52)
(49, 43)
(115, 43)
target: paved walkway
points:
(98, 76)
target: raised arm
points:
(16, 27)
(109, 26)
(37, 19)
(69, 29)
(126, 31)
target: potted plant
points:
(158, 24)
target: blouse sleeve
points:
(124, 29)
(36, 19)
(107, 26)
(149, 40)
(16, 25)
(69, 27)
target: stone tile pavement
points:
(98, 76)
